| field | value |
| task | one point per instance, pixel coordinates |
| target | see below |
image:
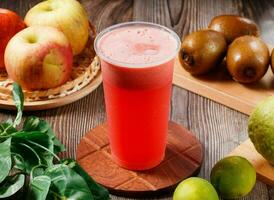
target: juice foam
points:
(138, 46)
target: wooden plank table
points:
(219, 128)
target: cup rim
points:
(139, 65)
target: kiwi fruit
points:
(202, 50)
(247, 59)
(233, 26)
(272, 61)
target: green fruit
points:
(195, 189)
(233, 177)
(261, 129)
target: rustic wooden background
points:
(219, 128)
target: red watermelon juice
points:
(137, 61)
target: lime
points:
(233, 177)
(195, 189)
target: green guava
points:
(195, 189)
(261, 128)
(233, 177)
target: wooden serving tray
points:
(219, 86)
(265, 172)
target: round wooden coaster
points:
(183, 158)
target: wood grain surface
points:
(219, 128)
(183, 159)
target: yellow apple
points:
(67, 15)
(39, 58)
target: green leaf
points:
(39, 188)
(44, 148)
(33, 124)
(67, 184)
(18, 98)
(6, 130)
(31, 150)
(18, 162)
(11, 185)
(39, 141)
(9, 121)
(38, 170)
(36, 124)
(35, 147)
(30, 159)
(98, 191)
(5, 159)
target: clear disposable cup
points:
(137, 78)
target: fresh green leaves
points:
(18, 98)
(30, 154)
(39, 187)
(57, 182)
(98, 192)
(11, 185)
(67, 184)
(18, 162)
(37, 145)
(36, 124)
(6, 129)
(5, 159)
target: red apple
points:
(39, 58)
(10, 24)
